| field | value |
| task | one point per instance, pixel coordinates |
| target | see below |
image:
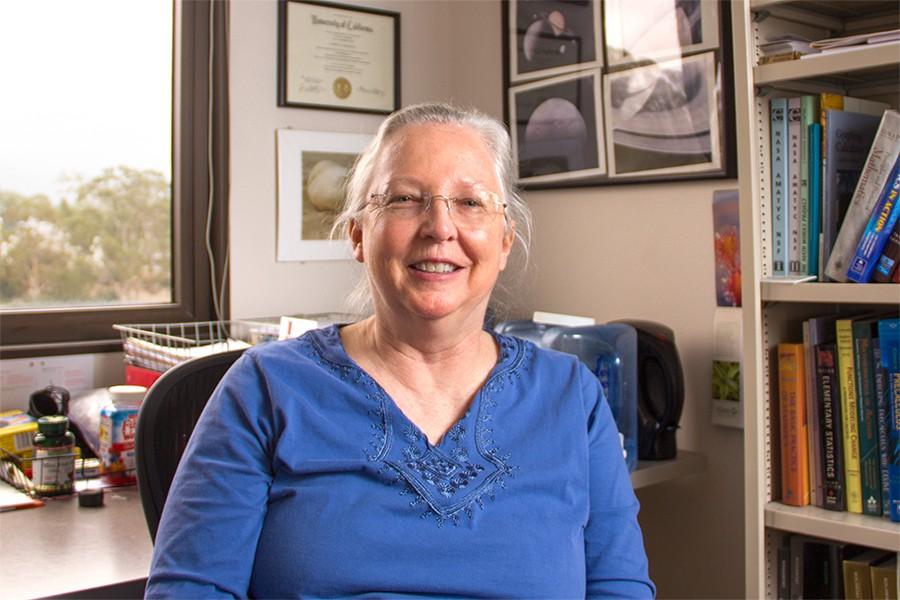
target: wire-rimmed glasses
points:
(470, 210)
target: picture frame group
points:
(615, 91)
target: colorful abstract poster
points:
(727, 244)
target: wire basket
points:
(160, 346)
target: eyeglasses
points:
(471, 210)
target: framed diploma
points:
(338, 57)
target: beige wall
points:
(641, 251)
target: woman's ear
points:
(356, 238)
(509, 236)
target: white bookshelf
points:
(773, 311)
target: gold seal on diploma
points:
(342, 88)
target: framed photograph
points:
(556, 127)
(552, 37)
(338, 57)
(663, 118)
(652, 102)
(312, 171)
(658, 30)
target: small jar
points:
(53, 465)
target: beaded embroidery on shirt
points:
(446, 481)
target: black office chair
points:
(168, 415)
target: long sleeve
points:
(616, 563)
(208, 534)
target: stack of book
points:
(839, 415)
(810, 567)
(835, 183)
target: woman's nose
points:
(438, 219)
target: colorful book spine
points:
(814, 443)
(890, 255)
(869, 467)
(815, 198)
(794, 451)
(830, 426)
(878, 229)
(849, 414)
(875, 174)
(889, 343)
(778, 111)
(883, 416)
(808, 114)
(795, 207)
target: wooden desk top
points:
(61, 548)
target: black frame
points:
(725, 102)
(282, 56)
(68, 330)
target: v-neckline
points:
(402, 417)
(467, 465)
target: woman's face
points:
(431, 266)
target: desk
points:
(61, 548)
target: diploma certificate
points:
(338, 57)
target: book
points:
(878, 165)
(816, 331)
(792, 408)
(869, 466)
(795, 208)
(838, 553)
(809, 567)
(808, 115)
(890, 254)
(784, 568)
(877, 231)
(848, 137)
(780, 231)
(884, 579)
(889, 345)
(833, 497)
(849, 414)
(815, 198)
(857, 576)
(882, 417)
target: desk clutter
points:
(64, 446)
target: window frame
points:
(69, 330)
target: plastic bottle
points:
(610, 352)
(541, 334)
(53, 465)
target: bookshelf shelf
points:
(857, 529)
(879, 60)
(773, 312)
(650, 472)
(831, 293)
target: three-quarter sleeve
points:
(210, 527)
(616, 563)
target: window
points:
(105, 168)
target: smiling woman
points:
(413, 452)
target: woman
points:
(411, 453)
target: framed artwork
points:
(556, 127)
(663, 118)
(550, 37)
(338, 57)
(651, 102)
(312, 171)
(658, 30)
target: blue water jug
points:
(610, 352)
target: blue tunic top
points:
(303, 478)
